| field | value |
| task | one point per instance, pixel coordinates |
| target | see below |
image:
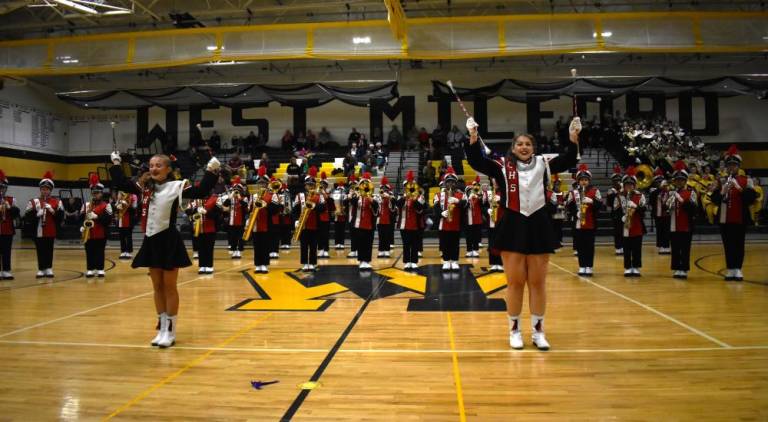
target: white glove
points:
(587, 200)
(82, 229)
(631, 204)
(575, 126)
(678, 197)
(92, 216)
(430, 223)
(49, 208)
(735, 184)
(472, 124)
(750, 183)
(445, 214)
(41, 213)
(213, 165)
(202, 210)
(275, 199)
(623, 218)
(490, 211)
(115, 157)
(296, 224)
(120, 205)
(453, 200)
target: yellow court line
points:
(456, 374)
(186, 367)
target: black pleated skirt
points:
(164, 250)
(526, 235)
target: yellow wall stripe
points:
(22, 167)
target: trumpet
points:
(87, 224)
(257, 205)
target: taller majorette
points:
(162, 250)
(47, 213)
(9, 211)
(522, 233)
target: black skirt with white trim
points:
(526, 235)
(164, 250)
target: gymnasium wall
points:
(75, 132)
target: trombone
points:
(257, 205)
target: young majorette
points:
(473, 217)
(448, 205)
(386, 220)
(235, 208)
(682, 204)
(734, 194)
(366, 207)
(521, 235)
(351, 213)
(630, 208)
(125, 204)
(162, 249)
(585, 202)
(610, 199)
(657, 198)
(264, 205)
(338, 198)
(494, 217)
(558, 201)
(47, 212)
(410, 206)
(324, 221)
(9, 211)
(97, 214)
(307, 207)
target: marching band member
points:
(386, 220)
(48, 213)
(630, 207)
(338, 198)
(474, 217)
(307, 207)
(682, 204)
(286, 218)
(162, 249)
(265, 204)
(610, 199)
(658, 199)
(126, 204)
(558, 201)
(97, 214)
(351, 213)
(236, 207)
(448, 205)
(494, 217)
(190, 212)
(366, 208)
(9, 211)
(324, 223)
(584, 202)
(206, 214)
(276, 217)
(410, 206)
(521, 235)
(734, 194)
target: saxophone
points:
(308, 207)
(628, 213)
(582, 208)
(122, 197)
(494, 206)
(451, 206)
(87, 224)
(337, 198)
(197, 220)
(257, 205)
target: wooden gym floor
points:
(386, 346)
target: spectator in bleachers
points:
(324, 138)
(235, 163)
(293, 171)
(355, 152)
(428, 176)
(287, 141)
(423, 139)
(311, 140)
(264, 162)
(381, 156)
(250, 142)
(376, 136)
(353, 138)
(300, 141)
(394, 139)
(439, 139)
(413, 139)
(349, 163)
(215, 142)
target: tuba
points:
(256, 206)
(644, 175)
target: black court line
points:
(698, 265)
(79, 275)
(332, 353)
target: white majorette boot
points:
(537, 337)
(161, 322)
(516, 340)
(168, 338)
